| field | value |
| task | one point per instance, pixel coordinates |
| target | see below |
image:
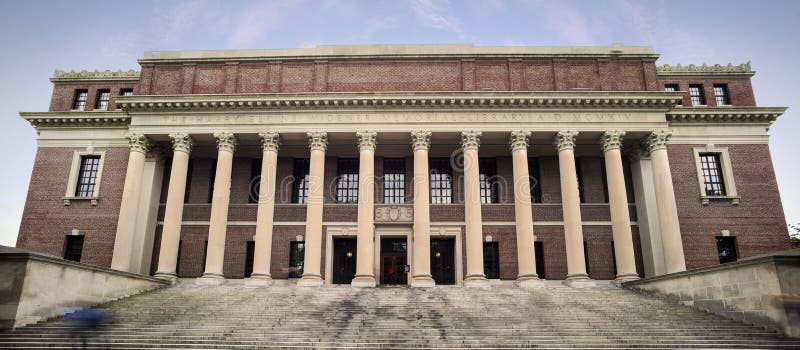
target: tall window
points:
(103, 96)
(726, 247)
(696, 94)
(538, 249)
(300, 186)
(73, 248)
(255, 180)
(491, 260)
(347, 183)
(579, 173)
(211, 181)
(79, 102)
(296, 256)
(87, 176)
(673, 88)
(488, 180)
(604, 177)
(188, 188)
(126, 92)
(721, 94)
(712, 174)
(394, 180)
(535, 182)
(250, 254)
(441, 181)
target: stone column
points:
(421, 141)
(618, 203)
(365, 249)
(128, 210)
(173, 214)
(470, 141)
(262, 258)
(312, 277)
(523, 213)
(218, 223)
(571, 205)
(665, 200)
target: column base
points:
(529, 282)
(476, 281)
(310, 281)
(258, 280)
(169, 277)
(625, 278)
(579, 280)
(363, 282)
(210, 279)
(422, 281)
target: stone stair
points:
(284, 316)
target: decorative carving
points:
(317, 140)
(658, 140)
(96, 74)
(743, 68)
(470, 139)
(421, 139)
(519, 140)
(725, 115)
(270, 140)
(138, 142)
(394, 213)
(225, 141)
(366, 140)
(611, 140)
(181, 142)
(565, 140)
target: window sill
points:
(707, 199)
(92, 200)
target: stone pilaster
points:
(128, 210)
(665, 200)
(365, 249)
(312, 276)
(523, 213)
(421, 266)
(270, 143)
(470, 142)
(171, 232)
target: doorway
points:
(443, 261)
(344, 260)
(394, 258)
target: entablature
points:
(757, 115)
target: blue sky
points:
(37, 37)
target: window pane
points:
(696, 94)
(441, 181)
(296, 259)
(488, 180)
(491, 260)
(79, 103)
(87, 176)
(394, 180)
(301, 179)
(721, 94)
(712, 174)
(73, 248)
(347, 183)
(726, 247)
(103, 96)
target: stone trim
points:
(544, 99)
(225, 141)
(705, 70)
(727, 175)
(75, 167)
(657, 140)
(138, 143)
(270, 140)
(96, 75)
(518, 140)
(611, 140)
(421, 139)
(76, 119)
(317, 140)
(762, 115)
(470, 139)
(366, 140)
(565, 140)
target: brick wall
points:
(740, 89)
(64, 94)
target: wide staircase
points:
(284, 316)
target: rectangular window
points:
(696, 94)
(712, 174)
(488, 180)
(726, 247)
(103, 96)
(721, 94)
(394, 180)
(441, 178)
(300, 186)
(255, 180)
(671, 87)
(79, 102)
(87, 176)
(347, 180)
(250, 254)
(491, 260)
(538, 249)
(126, 92)
(73, 248)
(535, 182)
(296, 256)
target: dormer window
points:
(103, 96)
(79, 102)
(721, 94)
(696, 94)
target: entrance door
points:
(344, 260)
(443, 267)
(393, 261)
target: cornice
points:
(84, 75)
(76, 119)
(761, 115)
(544, 99)
(704, 69)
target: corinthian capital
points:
(317, 140)
(270, 140)
(565, 140)
(138, 142)
(366, 140)
(612, 140)
(225, 141)
(519, 140)
(658, 140)
(470, 139)
(181, 141)
(421, 139)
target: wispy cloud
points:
(435, 15)
(567, 22)
(257, 21)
